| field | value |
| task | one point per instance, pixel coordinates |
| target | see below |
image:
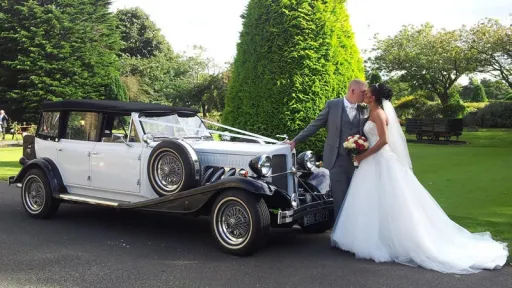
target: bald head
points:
(356, 89)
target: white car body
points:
(167, 160)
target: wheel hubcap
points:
(169, 171)
(34, 193)
(233, 223)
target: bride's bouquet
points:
(356, 145)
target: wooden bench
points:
(21, 130)
(434, 128)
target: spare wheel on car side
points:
(173, 166)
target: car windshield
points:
(171, 126)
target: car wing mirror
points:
(116, 137)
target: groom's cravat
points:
(351, 109)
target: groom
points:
(342, 117)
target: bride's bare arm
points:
(380, 121)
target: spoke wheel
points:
(36, 195)
(234, 222)
(169, 170)
(172, 168)
(240, 222)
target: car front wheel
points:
(36, 195)
(240, 222)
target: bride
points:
(389, 216)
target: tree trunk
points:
(203, 107)
(444, 98)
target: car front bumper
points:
(305, 210)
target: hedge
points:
(419, 107)
(495, 115)
(292, 57)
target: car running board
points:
(90, 200)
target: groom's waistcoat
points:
(348, 127)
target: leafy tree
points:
(373, 77)
(466, 91)
(140, 36)
(495, 89)
(204, 86)
(154, 79)
(492, 42)
(292, 57)
(116, 89)
(478, 94)
(427, 60)
(57, 50)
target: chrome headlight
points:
(306, 160)
(261, 165)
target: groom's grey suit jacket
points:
(335, 118)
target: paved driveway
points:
(87, 246)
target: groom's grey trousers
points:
(340, 175)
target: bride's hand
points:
(358, 158)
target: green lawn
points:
(472, 183)
(8, 137)
(9, 165)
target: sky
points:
(216, 24)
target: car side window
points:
(134, 136)
(83, 126)
(115, 128)
(49, 126)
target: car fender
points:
(49, 168)
(318, 179)
(194, 199)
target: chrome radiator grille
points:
(279, 166)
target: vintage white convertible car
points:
(130, 155)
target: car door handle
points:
(59, 149)
(94, 153)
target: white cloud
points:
(215, 24)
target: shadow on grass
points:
(9, 164)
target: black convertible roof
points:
(112, 106)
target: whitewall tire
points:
(240, 222)
(36, 195)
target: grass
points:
(8, 137)
(9, 165)
(471, 182)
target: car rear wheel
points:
(240, 222)
(36, 195)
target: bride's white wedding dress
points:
(389, 216)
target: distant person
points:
(3, 123)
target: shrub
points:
(292, 57)
(475, 106)
(478, 94)
(496, 115)
(454, 109)
(417, 107)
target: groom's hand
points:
(291, 143)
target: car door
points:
(74, 148)
(115, 160)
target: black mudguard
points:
(48, 167)
(194, 199)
